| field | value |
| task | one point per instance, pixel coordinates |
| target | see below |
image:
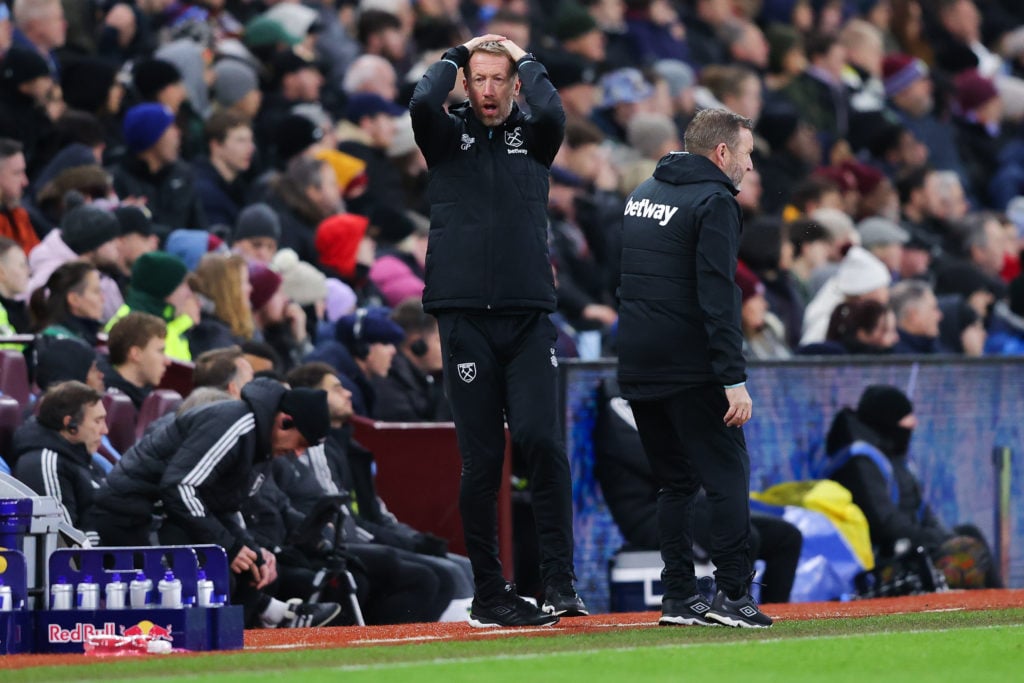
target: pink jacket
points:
(395, 280)
(51, 254)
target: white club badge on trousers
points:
(467, 372)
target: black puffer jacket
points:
(679, 311)
(52, 466)
(201, 467)
(488, 193)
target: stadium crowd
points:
(235, 184)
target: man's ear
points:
(133, 353)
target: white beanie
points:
(861, 272)
(300, 281)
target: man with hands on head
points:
(490, 286)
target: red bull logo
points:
(79, 633)
(148, 628)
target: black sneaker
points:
(309, 614)
(564, 602)
(508, 610)
(688, 612)
(741, 613)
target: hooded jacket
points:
(53, 466)
(201, 467)
(679, 311)
(51, 254)
(909, 516)
(488, 192)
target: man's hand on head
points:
(514, 50)
(490, 37)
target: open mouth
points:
(490, 109)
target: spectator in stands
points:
(786, 56)
(296, 80)
(220, 178)
(931, 202)
(811, 244)
(138, 237)
(304, 286)
(86, 233)
(221, 283)
(702, 27)
(961, 329)
(411, 391)
(885, 239)
(225, 369)
(860, 276)
(53, 451)
(236, 90)
(576, 81)
(26, 85)
(136, 363)
(908, 86)
(624, 93)
(14, 318)
(868, 454)
(819, 92)
(303, 197)
(159, 81)
(578, 34)
(280, 322)
(795, 150)
(865, 49)
(764, 335)
(257, 233)
(917, 318)
(983, 243)
(70, 305)
(367, 135)
(1006, 328)
(383, 33)
(371, 338)
(65, 360)
(153, 169)
(201, 470)
(865, 327)
(737, 87)
(159, 287)
(14, 219)
(40, 26)
(371, 74)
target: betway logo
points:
(80, 633)
(645, 209)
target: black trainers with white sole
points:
(740, 613)
(508, 610)
(564, 601)
(309, 614)
(689, 612)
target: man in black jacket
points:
(54, 450)
(681, 362)
(200, 467)
(490, 285)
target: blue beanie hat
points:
(368, 326)
(144, 124)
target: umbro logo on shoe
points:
(700, 607)
(748, 611)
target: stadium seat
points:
(157, 404)
(121, 417)
(14, 376)
(178, 377)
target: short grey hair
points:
(711, 127)
(907, 295)
(364, 70)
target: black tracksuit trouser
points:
(689, 446)
(501, 367)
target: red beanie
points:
(265, 284)
(899, 71)
(337, 241)
(973, 90)
(750, 285)
(867, 177)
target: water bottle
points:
(61, 594)
(170, 591)
(117, 593)
(88, 594)
(204, 590)
(138, 590)
(6, 598)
